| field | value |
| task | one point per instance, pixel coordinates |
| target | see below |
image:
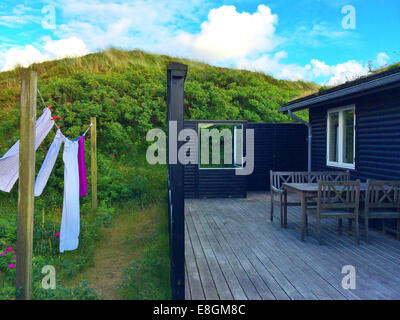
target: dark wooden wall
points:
(277, 146)
(211, 183)
(377, 136)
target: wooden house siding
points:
(211, 183)
(277, 146)
(377, 136)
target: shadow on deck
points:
(233, 251)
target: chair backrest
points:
(316, 176)
(278, 178)
(338, 195)
(382, 194)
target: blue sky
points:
(289, 39)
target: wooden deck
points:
(233, 251)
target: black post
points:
(176, 75)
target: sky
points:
(325, 41)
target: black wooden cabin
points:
(356, 126)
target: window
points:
(220, 145)
(341, 137)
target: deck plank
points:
(293, 265)
(221, 285)
(342, 255)
(207, 280)
(192, 275)
(239, 270)
(263, 272)
(233, 251)
(231, 279)
(345, 251)
(262, 289)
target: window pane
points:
(348, 137)
(333, 136)
(238, 146)
(220, 145)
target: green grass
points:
(143, 217)
(147, 277)
(137, 237)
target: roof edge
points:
(386, 78)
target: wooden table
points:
(307, 190)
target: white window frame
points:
(340, 163)
(235, 165)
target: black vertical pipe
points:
(176, 75)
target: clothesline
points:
(75, 178)
(58, 127)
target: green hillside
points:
(126, 91)
(137, 82)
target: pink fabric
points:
(82, 168)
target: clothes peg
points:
(56, 117)
(49, 107)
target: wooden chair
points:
(277, 179)
(338, 200)
(315, 176)
(382, 201)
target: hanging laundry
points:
(9, 163)
(48, 163)
(69, 233)
(82, 167)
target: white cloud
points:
(247, 41)
(114, 34)
(21, 9)
(22, 56)
(316, 69)
(71, 47)
(228, 34)
(382, 59)
(148, 25)
(347, 71)
(21, 15)
(319, 35)
(2, 58)
(293, 72)
(320, 68)
(271, 64)
(52, 49)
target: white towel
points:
(69, 233)
(48, 163)
(9, 163)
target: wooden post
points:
(176, 75)
(26, 185)
(93, 167)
